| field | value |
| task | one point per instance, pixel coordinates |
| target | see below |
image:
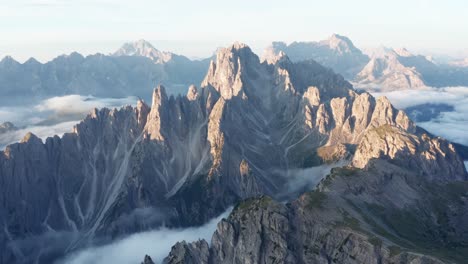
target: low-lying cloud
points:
(155, 243)
(77, 104)
(451, 125)
(53, 116)
(300, 180)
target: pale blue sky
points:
(47, 28)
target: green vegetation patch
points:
(254, 203)
(315, 199)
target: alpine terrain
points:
(241, 139)
(383, 69)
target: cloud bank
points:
(53, 116)
(452, 125)
(155, 243)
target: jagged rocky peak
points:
(142, 111)
(237, 71)
(144, 49)
(156, 116)
(384, 113)
(233, 66)
(147, 260)
(195, 252)
(31, 138)
(192, 93)
(435, 158)
(159, 95)
(312, 96)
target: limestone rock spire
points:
(157, 115)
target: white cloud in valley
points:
(155, 243)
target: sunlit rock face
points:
(337, 52)
(385, 71)
(186, 158)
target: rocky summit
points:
(185, 159)
(337, 52)
(384, 69)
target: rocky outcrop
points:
(434, 158)
(195, 252)
(264, 231)
(158, 115)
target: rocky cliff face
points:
(264, 231)
(385, 71)
(187, 158)
(436, 158)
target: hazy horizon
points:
(45, 29)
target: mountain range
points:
(337, 52)
(134, 68)
(130, 71)
(241, 139)
(385, 69)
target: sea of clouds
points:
(53, 116)
(452, 125)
